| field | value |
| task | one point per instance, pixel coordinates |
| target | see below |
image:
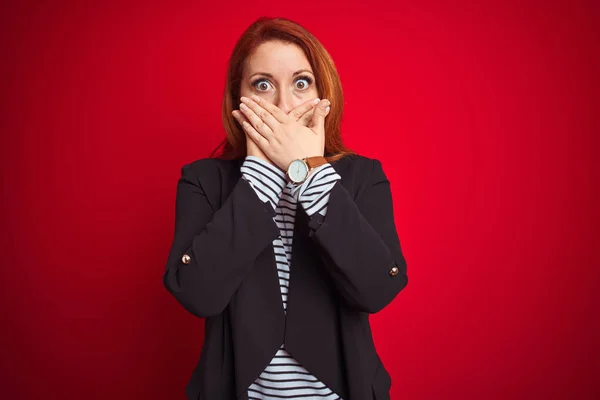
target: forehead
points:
(276, 58)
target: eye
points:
(262, 85)
(303, 82)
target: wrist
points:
(301, 169)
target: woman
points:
(286, 242)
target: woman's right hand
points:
(303, 114)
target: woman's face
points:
(279, 73)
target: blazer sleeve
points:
(359, 244)
(213, 250)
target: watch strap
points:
(314, 162)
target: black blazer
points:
(346, 265)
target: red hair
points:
(327, 80)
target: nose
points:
(285, 101)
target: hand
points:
(281, 138)
(303, 114)
(252, 149)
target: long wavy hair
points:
(327, 80)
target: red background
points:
(485, 118)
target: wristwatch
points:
(299, 169)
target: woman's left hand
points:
(279, 136)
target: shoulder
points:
(207, 164)
(357, 167)
(358, 173)
(215, 177)
(210, 169)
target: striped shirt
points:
(285, 377)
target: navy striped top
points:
(285, 377)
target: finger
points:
(318, 119)
(271, 108)
(260, 125)
(302, 109)
(306, 118)
(239, 117)
(252, 133)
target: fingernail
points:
(327, 109)
(316, 101)
(256, 98)
(244, 99)
(243, 106)
(326, 103)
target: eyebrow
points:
(271, 76)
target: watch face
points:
(298, 171)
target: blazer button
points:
(186, 259)
(394, 271)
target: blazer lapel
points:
(256, 308)
(312, 310)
